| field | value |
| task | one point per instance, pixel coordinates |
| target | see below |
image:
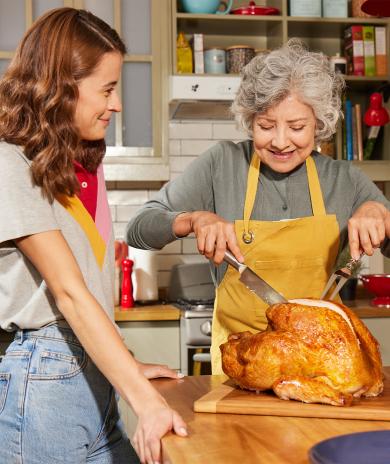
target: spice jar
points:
(237, 56)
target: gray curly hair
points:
(292, 68)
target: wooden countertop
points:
(235, 438)
(168, 312)
(158, 312)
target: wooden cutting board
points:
(227, 398)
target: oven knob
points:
(205, 328)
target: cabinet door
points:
(156, 342)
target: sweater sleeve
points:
(366, 190)
(151, 227)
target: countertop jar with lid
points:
(237, 56)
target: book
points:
(359, 132)
(369, 51)
(354, 134)
(353, 46)
(380, 51)
(348, 124)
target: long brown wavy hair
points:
(39, 93)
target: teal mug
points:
(206, 6)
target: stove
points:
(192, 291)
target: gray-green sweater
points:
(216, 181)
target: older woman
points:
(272, 200)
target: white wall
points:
(187, 140)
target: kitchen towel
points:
(144, 276)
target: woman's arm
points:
(52, 257)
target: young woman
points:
(57, 379)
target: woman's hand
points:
(367, 228)
(156, 419)
(154, 371)
(214, 235)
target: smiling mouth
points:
(282, 154)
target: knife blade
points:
(255, 283)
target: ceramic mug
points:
(206, 6)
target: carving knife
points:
(255, 283)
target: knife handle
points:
(229, 258)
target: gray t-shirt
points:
(25, 301)
(217, 181)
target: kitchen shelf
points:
(267, 32)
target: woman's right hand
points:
(214, 234)
(156, 419)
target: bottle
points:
(127, 300)
(183, 55)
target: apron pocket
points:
(285, 264)
(295, 278)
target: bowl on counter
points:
(379, 285)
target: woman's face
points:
(283, 136)
(98, 98)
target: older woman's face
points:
(283, 136)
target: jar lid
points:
(232, 47)
(214, 48)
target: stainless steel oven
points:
(192, 290)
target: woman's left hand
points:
(367, 228)
(154, 371)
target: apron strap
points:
(253, 180)
(317, 201)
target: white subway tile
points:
(113, 213)
(174, 147)
(228, 131)
(190, 130)
(195, 147)
(163, 279)
(125, 213)
(119, 230)
(127, 197)
(171, 249)
(179, 163)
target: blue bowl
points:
(355, 448)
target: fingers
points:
(367, 229)
(138, 444)
(179, 426)
(214, 236)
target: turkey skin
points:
(313, 351)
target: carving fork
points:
(341, 276)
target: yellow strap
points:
(317, 201)
(253, 179)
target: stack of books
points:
(366, 50)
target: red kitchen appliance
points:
(253, 9)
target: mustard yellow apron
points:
(295, 257)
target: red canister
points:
(127, 300)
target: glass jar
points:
(237, 56)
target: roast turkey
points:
(313, 351)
